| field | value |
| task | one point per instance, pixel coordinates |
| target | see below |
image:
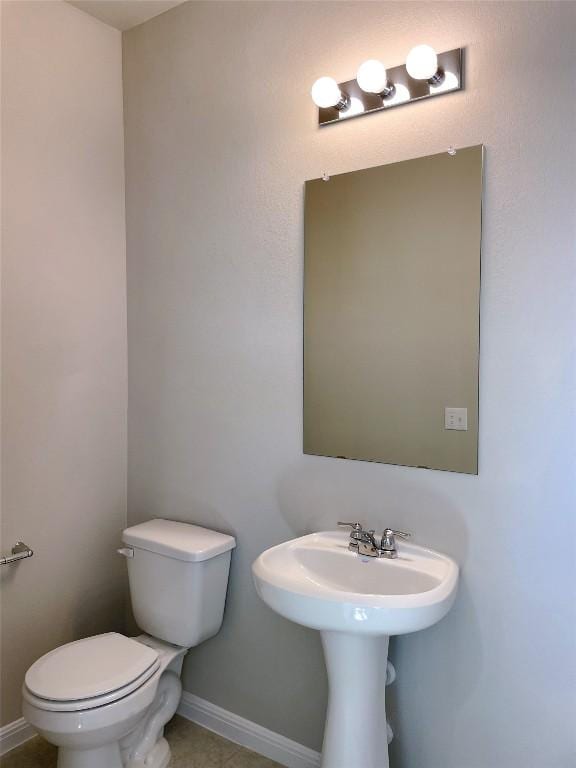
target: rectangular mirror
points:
(391, 313)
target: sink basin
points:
(316, 581)
(356, 602)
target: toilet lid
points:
(88, 668)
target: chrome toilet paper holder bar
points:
(20, 551)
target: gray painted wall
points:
(221, 135)
(63, 332)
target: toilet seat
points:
(90, 673)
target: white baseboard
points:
(14, 734)
(247, 734)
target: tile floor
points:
(192, 747)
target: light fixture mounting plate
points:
(407, 90)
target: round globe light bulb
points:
(372, 77)
(422, 62)
(326, 93)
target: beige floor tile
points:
(195, 747)
(243, 758)
(36, 753)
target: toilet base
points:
(108, 755)
(146, 746)
(158, 757)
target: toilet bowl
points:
(106, 720)
(104, 700)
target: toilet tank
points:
(178, 575)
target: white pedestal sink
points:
(357, 603)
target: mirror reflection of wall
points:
(391, 313)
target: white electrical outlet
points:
(456, 418)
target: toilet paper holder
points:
(20, 551)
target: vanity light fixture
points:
(376, 88)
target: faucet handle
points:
(399, 533)
(388, 540)
(357, 534)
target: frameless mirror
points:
(391, 313)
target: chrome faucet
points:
(363, 542)
(388, 542)
(357, 535)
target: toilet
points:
(104, 701)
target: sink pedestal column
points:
(356, 729)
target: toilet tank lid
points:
(181, 541)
